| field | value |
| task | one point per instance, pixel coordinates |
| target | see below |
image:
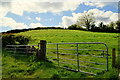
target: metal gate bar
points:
(78, 64)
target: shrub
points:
(14, 40)
(75, 27)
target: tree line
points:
(24, 30)
(87, 20)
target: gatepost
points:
(41, 55)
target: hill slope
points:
(63, 36)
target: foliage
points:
(118, 25)
(14, 39)
(112, 27)
(86, 20)
(75, 27)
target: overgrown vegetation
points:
(10, 39)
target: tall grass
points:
(24, 67)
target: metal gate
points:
(72, 56)
(86, 57)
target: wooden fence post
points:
(42, 51)
(113, 57)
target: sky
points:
(17, 14)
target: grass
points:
(62, 36)
(19, 68)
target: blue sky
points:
(58, 14)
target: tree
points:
(103, 27)
(118, 25)
(75, 27)
(86, 20)
(93, 27)
(112, 26)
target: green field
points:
(62, 36)
(58, 36)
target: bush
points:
(14, 40)
(75, 27)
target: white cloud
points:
(67, 21)
(97, 4)
(4, 9)
(104, 16)
(42, 6)
(58, 25)
(11, 23)
(38, 18)
(19, 7)
(100, 16)
(60, 0)
(34, 25)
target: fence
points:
(55, 51)
(21, 48)
(57, 58)
(20, 51)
